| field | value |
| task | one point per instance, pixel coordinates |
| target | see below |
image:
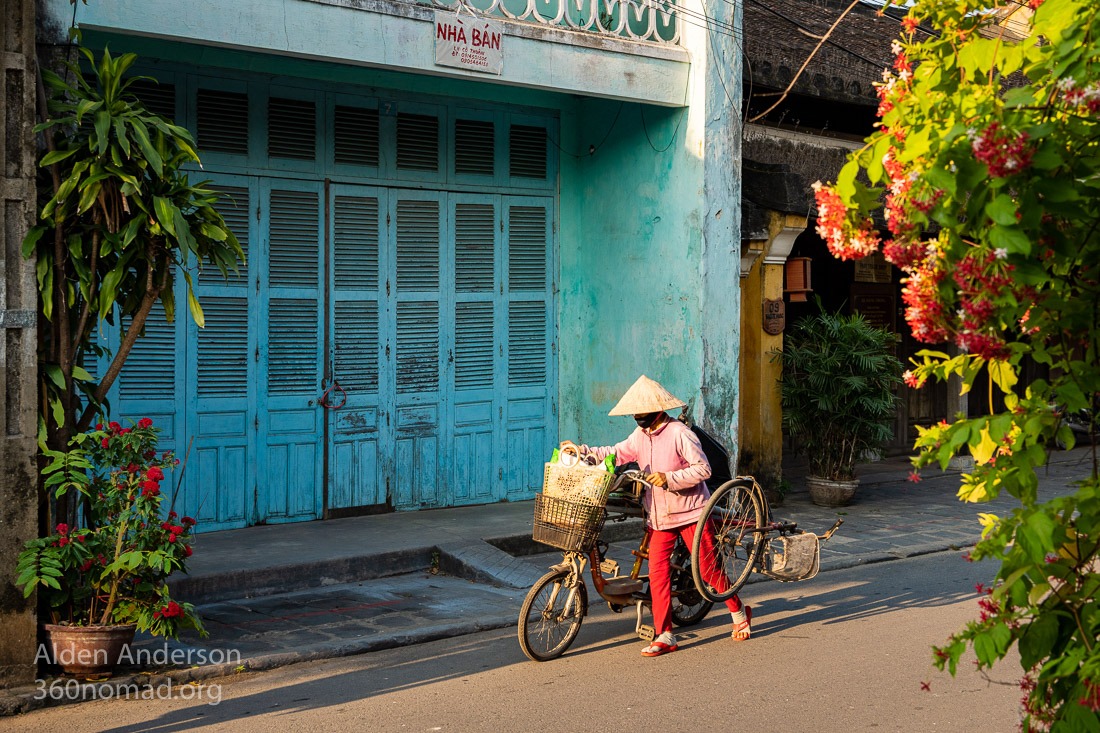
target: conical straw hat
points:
(644, 396)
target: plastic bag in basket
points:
(581, 484)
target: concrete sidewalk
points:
(281, 594)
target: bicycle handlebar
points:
(636, 475)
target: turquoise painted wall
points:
(630, 248)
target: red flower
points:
(914, 477)
(1003, 152)
(86, 566)
(115, 427)
(152, 490)
(155, 473)
(63, 541)
(104, 442)
(172, 515)
(172, 610)
(188, 522)
(63, 529)
(145, 423)
(172, 537)
(166, 526)
(150, 483)
(187, 550)
(177, 529)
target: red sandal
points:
(658, 648)
(743, 630)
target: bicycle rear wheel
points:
(546, 626)
(732, 514)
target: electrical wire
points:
(591, 148)
(641, 112)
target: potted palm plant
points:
(838, 392)
(107, 578)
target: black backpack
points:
(717, 456)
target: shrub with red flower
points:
(986, 161)
(114, 569)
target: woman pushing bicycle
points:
(673, 459)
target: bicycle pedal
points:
(609, 567)
(645, 632)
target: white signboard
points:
(468, 43)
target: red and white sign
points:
(468, 43)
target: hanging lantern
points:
(798, 278)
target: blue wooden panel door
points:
(416, 345)
(530, 349)
(360, 445)
(290, 419)
(476, 372)
(219, 482)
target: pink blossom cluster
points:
(904, 249)
(1075, 96)
(844, 240)
(982, 276)
(924, 311)
(1004, 152)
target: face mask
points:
(645, 421)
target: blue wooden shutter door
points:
(355, 462)
(218, 486)
(529, 413)
(417, 362)
(476, 447)
(290, 419)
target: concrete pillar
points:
(18, 344)
(761, 428)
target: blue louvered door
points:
(359, 441)
(416, 347)
(220, 479)
(529, 345)
(290, 358)
(475, 465)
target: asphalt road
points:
(846, 651)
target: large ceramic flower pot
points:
(89, 650)
(824, 492)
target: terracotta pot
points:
(824, 492)
(89, 650)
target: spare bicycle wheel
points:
(727, 543)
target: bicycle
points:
(737, 516)
(555, 607)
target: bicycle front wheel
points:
(727, 546)
(551, 616)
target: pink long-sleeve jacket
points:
(676, 452)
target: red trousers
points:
(661, 543)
